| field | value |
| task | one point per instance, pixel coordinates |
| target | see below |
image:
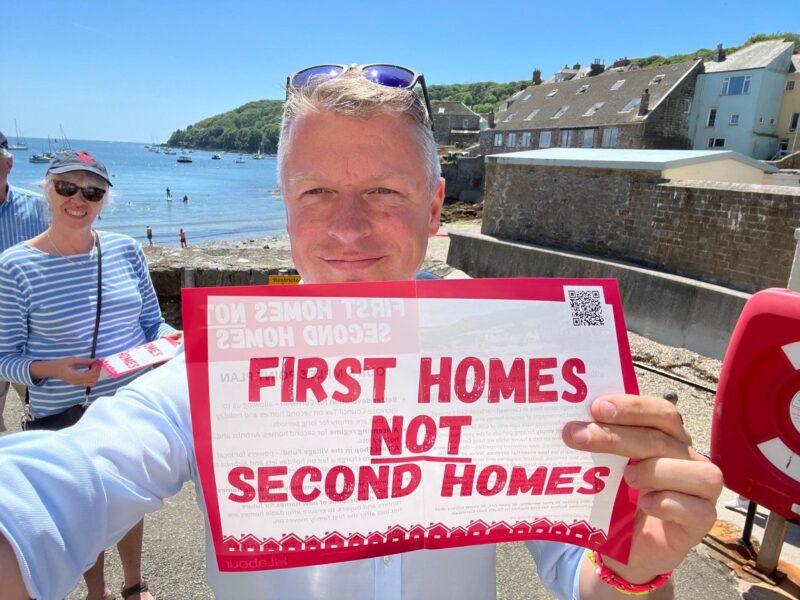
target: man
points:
(362, 189)
(23, 215)
(149, 232)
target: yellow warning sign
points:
(284, 279)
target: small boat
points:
(184, 158)
(38, 158)
(216, 157)
(169, 151)
(240, 160)
(19, 145)
(257, 156)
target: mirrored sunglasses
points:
(393, 76)
(69, 189)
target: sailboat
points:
(65, 147)
(19, 145)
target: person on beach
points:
(67, 296)
(185, 198)
(363, 192)
(169, 194)
(182, 236)
(23, 215)
(149, 235)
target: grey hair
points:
(93, 178)
(354, 96)
(5, 153)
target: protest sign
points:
(343, 421)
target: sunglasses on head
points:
(69, 189)
(393, 76)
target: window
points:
(582, 89)
(560, 112)
(657, 79)
(734, 120)
(609, 137)
(772, 120)
(544, 139)
(789, 86)
(712, 117)
(593, 109)
(565, 140)
(498, 139)
(588, 138)
(512, 140)
(617, 84)
(735, 86)
(525, 140)
(532, 114)
(509, 117)
(552, 93)
(793, 121)
(465, 124)
(440, 110)
(527, 97)
(687, 107)
(716, 142)
(631, 105)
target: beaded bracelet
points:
(608, 577)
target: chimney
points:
(720, 54)
(576, 67)
(596, 67)
(644, 105)
(537, 77)
(490, 119)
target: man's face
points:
(6, 162)
(358, 203)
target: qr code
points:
(586, 306)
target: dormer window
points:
(657, 79)
(527, 97)
(582, 89)
(552, 93)
(509, 117)
(593, 109)
(617, 84)
(560, 112)
(532, 114)
(632, 104)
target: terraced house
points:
(739, 97)
(621, 107)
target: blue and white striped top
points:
(47, 312)
(23, 215)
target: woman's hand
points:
(74, 370)
(175, 335)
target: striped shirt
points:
(23, 215)
(47, 312)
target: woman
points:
(51, 327)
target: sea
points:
(226, 201)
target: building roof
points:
(610, 158)
(452, 108)
(580, 95)
(795, 63)
(754, 56)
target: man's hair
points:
(352, 95)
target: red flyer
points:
(343, 421)
(139, 357)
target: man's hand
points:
(73, 369)
(678, 487)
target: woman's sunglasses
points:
(393, 76)
(69, 189)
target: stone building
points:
(454, 124)
(789, 119)
(617, 108)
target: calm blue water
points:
(227, 201)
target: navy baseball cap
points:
(78, 161)
(3, 141)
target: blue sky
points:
(137, 70)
